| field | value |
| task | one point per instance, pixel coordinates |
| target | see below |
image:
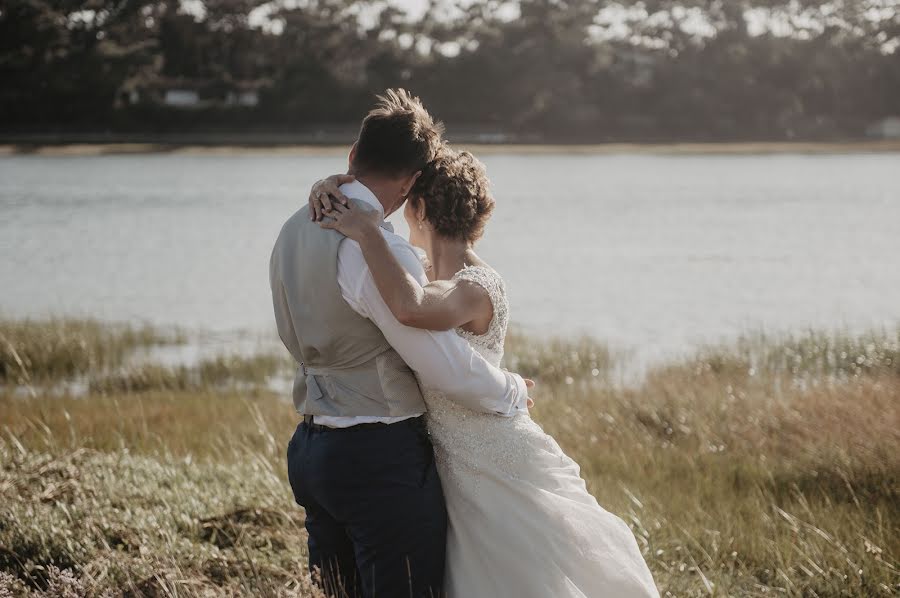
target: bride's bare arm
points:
(439, 305)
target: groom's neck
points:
(383, 190)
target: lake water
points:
(654, 253)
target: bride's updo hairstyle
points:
(457, 195)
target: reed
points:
(221, 372)
(559, 360)
(42, 350)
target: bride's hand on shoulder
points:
(354, 222)
(325, 194)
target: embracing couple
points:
(420, 470)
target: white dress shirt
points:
(443, 361)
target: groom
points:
(361, 461)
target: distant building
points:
(181, 98)
(888, 128)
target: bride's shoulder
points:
(482, 275)
(485, 281)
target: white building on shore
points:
(887, 128)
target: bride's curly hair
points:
(457, 195)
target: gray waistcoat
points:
(347, 368)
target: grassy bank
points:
(769, 466)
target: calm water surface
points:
(655, 253)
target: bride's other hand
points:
(529, 384)
(353, 222)
(325, 193)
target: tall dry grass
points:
(767, 467)
(47, 350)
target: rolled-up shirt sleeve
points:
(443, 360)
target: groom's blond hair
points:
(398, 137)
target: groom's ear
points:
(352, 157)
(411, 183)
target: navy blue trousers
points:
(375, 510)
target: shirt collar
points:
(357, 190)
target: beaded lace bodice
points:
(467, 440)
(489, 344)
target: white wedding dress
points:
(521, 521)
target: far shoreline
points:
(663, 149)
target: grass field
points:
(770, 466)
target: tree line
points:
(548, 70)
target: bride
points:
(521, 521)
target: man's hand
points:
(326, 190)
(529, 384)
